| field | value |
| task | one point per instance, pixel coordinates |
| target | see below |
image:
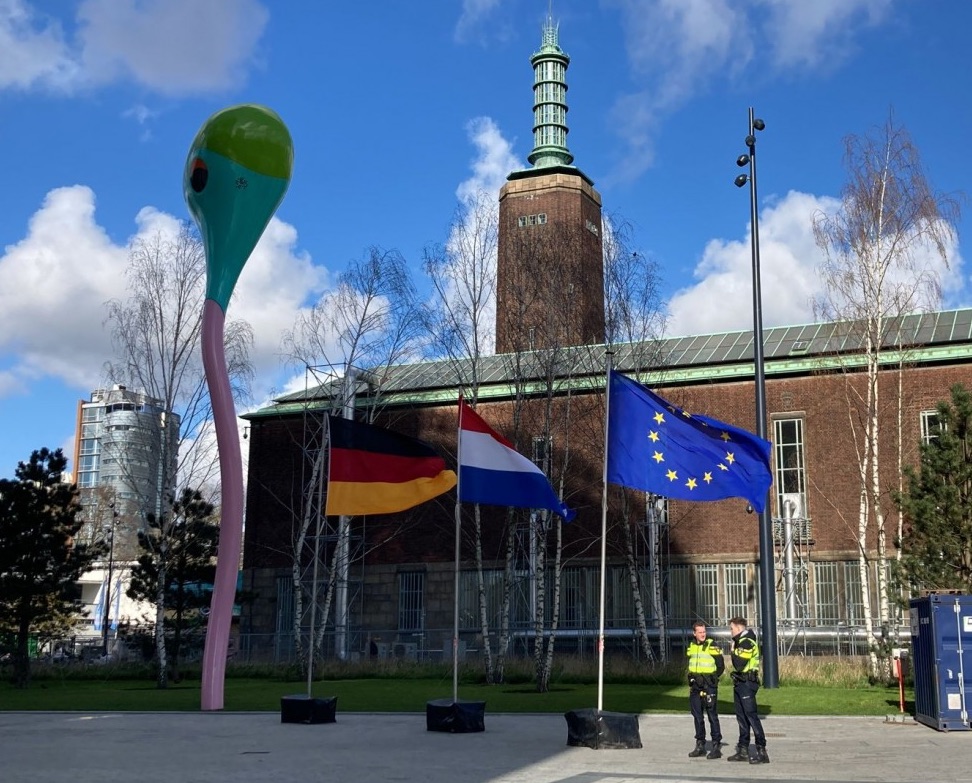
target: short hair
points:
(739, 621)
(698, 624)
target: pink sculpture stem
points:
(231, 517)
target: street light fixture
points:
(767, 581)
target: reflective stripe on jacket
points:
(701, 657)
(745, 652)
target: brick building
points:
(702, 557)
(544, 390)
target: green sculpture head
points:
(237, 172)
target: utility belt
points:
(745, 677)
(703, 682)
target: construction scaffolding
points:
(792, 543)
(324, 548)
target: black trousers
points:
(700, 707)
(747, 716)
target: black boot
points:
(699, 749)
(715, 753)
(741, 754)
(759, 757)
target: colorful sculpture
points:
(237, 172)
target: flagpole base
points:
(599, 730)
(455, 717)
(306, 709)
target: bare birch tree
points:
(461, 320)
(543, 325)
(884, 248)
(367, 323)
(156, 335)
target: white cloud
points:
(277, 281)
(722, 299)
(678, 49)
(32, 49)
(818, 34)
(170, 46)
(679, 44)
(56, 281)
(493, 162)
(472, 16)
(478, 196)
(59, 277)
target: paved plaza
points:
(244, 747)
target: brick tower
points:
(550, 267)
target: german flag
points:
(376, 471)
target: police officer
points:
(745, 679)
(705, 667)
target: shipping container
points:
(941, 645)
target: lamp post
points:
(106, 615)
(767, 581)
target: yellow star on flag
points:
(658, 457)
(672, 475)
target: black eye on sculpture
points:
(199, 176)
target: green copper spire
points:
(550, 101)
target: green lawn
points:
(411, 695)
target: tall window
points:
(679, 595)
(853, 596)
(411, 600)
(737, 590)
(469, 598)
(621, 612)
(791, 479)
(826, 593)
(578, 597)
(707, 592)
(930, 426)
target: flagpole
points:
(317, 557)
(600, 633)
(455, 608)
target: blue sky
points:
(398, 108)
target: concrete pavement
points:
(243, 747)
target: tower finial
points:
(550, 99)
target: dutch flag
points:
(491, 471)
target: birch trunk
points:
(504, 642)
(483, 608)
(313, 486)
(635, 581)
(539, 614)
(543, 684)
(163, 669)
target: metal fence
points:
(435, 645)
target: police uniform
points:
(705, 666)
(745, 678)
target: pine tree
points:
(187, 562)
(936, 547)
(40, 558)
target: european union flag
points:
(655, 447)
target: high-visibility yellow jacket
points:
(705, 658)
(745, 652)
